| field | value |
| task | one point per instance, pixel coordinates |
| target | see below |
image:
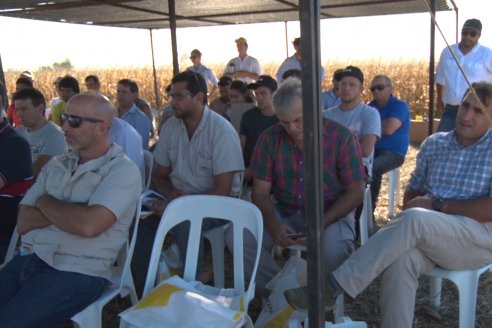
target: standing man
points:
(257, 119)
(198, 152)
(208, 75)
(294, 62)
(476, 61)
(362, 120)
(74, 220)
(45, 137)
(128, 111)
(15, 179)
(243, 67)
(391, 149)
(277, 167)
(446, 221)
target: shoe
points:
(298, 298)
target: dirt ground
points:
(365, 306)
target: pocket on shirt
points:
(85, 187)
(204, 165)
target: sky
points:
(28, 44)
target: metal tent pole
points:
(172, 27)
(432, 67)
(309, 13)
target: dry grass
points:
(410, 79)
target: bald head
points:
(95, 105)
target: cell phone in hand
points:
(296, 235)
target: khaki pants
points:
(338, 245)
(409, 246)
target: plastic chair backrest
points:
(148, 166)
(194, 209)
(12, 246)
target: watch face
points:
(437, 204)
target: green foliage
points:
(65, 64)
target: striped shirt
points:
(445, 169)
(277, 160)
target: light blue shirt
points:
(330, 99)
(140, 122)
(206, 72)
(125, 136)
(292, 63)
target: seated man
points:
(332, 97)
(198, 152)
(73, 222)
(45, 137)
(15, 179)
(447, 219)
(390, 150)
(362, 120)
(278, 170)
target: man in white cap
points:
(476, 61)
(244, 67)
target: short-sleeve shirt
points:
(253, 123)
(277, 160)
(445, 169)
(206, 72)
(140, 122)
(362, 120)
(213, 149)
(125, 136)
(477, 64)
(330, 99)
(49, 140)
(397, 141)
(292, 63)
(57, 111)
(112, 181)
(248, 64)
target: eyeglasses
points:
(378, 87)
(178, 95)
(470, 33)
(75, 121)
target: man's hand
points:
(279, 233)
(157, 205)
(419, 201)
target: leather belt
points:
(452, 106)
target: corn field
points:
(410, 79)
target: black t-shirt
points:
(253, 123)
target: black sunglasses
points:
(379, 87)
(470, 33)
(75, 121)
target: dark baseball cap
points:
(225, 80)
(473, 24)
(352, 71)
(264, 81)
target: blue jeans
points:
(34, 294)
(448, 119)
(384, 161)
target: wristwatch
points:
(437, 204)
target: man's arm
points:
(439, 92)
(39, 163)
(161, 181)
(260, 196)
(79, 219)
(390, 125)
(350, 198)
(30, 218)
(242, 139)
(409, 195)
(367, 142)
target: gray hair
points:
(282, 98)
(386, 79)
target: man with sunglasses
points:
(451, 84)
(446, 221)
(391, 148)
(73, 222)
(198, 152)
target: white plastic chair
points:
(121, 283)
(216, 238)
(148, 165)
(467, 283)
(194, 209)
(12, 247)
(365, 219)
(393, 190)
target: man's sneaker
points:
(298, 298)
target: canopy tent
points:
(156, 14)
(153, 14)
